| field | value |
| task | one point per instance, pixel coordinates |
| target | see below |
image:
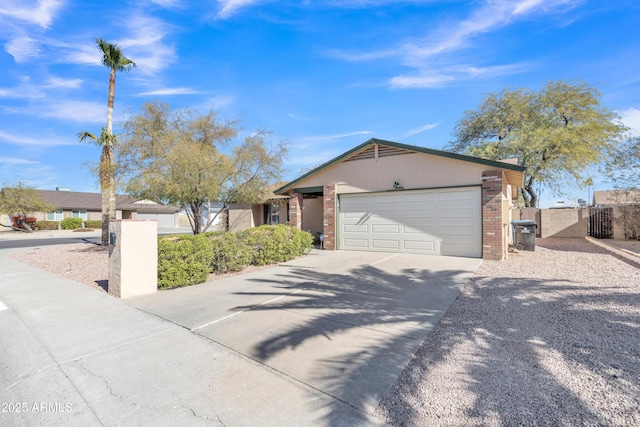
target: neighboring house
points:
(88, 206)
(391, 197)
(625, 210)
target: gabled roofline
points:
(492, 163)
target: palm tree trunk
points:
(112, 90)
(104, 187)
(110, 190)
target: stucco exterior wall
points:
(312, 215)
(409, 170)
(241, 217)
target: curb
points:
(622, 253)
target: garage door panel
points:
(385, 228)
(444, 221)
(385, 244)
(457, 230)
(420, 198)
(452, 195)
(457, 213)
(419, 245)
(354, 228)
(356, 243)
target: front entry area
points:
(436, 221)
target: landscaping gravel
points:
(545, 338)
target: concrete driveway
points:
(342, 323)
(315, 342)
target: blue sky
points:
(326, 75)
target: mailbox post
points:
(133, 258)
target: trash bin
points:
(524, 234)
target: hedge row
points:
(185, 260)
(68, 224)
(47, 225)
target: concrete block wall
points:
(569, 223)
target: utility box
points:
(524, 234)
(133, 258)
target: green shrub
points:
(276, 243)
(47, 225)
(93, 223)
(183, 260)
(71, 223)
(230, 253)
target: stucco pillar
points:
(329, 217)
(295, 210)
(133, 258)
(492, 230)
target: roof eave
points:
(493, 163)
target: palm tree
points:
(106, 173)
(114, 59)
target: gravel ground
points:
(87, 263)
(546, 338)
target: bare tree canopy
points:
(623, 166)
(557, 133)
(187, 159)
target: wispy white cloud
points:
(421, 129)
(68, 110)
(39, 12)
(27, 90)
(490, 16)
(167, 3)
(12, 161)
(430, 55)
(169, 92)
(230, 7)
(85, 54)
(19, 139)
(59, 82)
(146, 46)
(428, 78)
(22, 48)
(24, 90)
(631, 119)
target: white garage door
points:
(164, 220)
(437, 222)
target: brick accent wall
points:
(492, 230)
(329, 217)
(295, 210)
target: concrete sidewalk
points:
(72, 356)
(6, 235)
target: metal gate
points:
(601, 223)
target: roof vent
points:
(63, 189)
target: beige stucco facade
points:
(410, 170)
(245, 215)
(381, 166)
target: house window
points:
(79, 214)
(274, 214)
(54, 216)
